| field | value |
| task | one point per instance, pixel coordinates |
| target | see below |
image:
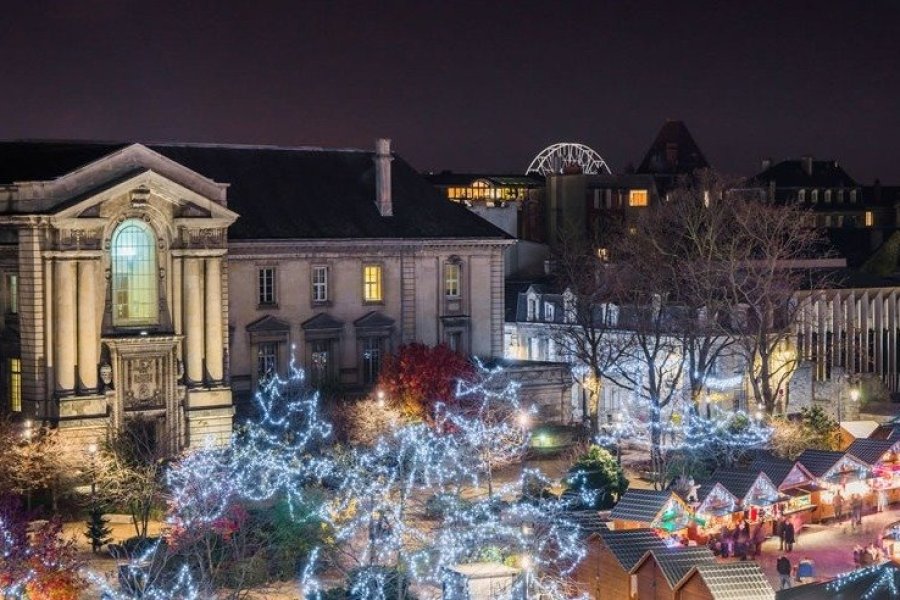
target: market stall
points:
(663, 511)
(795, 484)
(883, 458)
(836, 473)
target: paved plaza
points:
(829, 546)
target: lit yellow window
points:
(870, 218)
(451, 280)
(372, 283)
(15, 385)
(638, 198)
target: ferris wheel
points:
(555, 158)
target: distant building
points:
(858, 219)
(673, 154)
(147, 286)
(514, 203)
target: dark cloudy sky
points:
(463, 85)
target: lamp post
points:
(92, 452)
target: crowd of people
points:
(803, 572)
(743, 542)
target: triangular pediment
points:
(268, 324)
(320, 322)
(374, 320)
(127, 161)
(139, 186)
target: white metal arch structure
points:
(554, 158)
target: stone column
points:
(193, 321)
(65, 325)
(88, 344)
(214, 319)
(177, 286)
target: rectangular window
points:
(371, 359)
(455, 341)
(870, 218)
(372, 283)
(267, 286)
(267, 360)
(15, 385)
(12, 294)
(451, 280)
(549, 312)
(638, 198)
(320, 284)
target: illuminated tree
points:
(418, 377)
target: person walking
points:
(789, 535)
(780, 529)
(783, 566)
(856, 510)
(838, 507)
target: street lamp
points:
(380, 396)
(92, 452)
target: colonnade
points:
(76, 296)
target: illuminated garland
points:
(885, 581)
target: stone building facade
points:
(150, 286)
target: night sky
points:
(478, 86)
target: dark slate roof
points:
(630, 545)
(736, 581)
(887, 431)
(640, 505)
(736, 481)
(776, 469)
(790, 173)
(688, 156)
(875, 580)
(283, 193)
(870, 451)
(587, 521)
(676, 562)
(818, 462)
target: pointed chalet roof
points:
(628, 546)
(642, 506)
(673, 152)
(268, 323)
(870, 451)
(778, 469)
(734, 581)
(818, 462)
(676, 562)
(322, 321)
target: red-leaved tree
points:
(417, 377)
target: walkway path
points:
(829, 546)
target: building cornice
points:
(254, 249)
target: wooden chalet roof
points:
(642, 506)
(870, 451)
(676, 562)
(734, 581)
(630, 545)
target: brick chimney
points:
(383, 160)
(807, 163)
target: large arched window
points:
(134, 280)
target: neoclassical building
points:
(153, 286)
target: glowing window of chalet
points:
(134, 274)
(638, 198)
(870, 218)
(15, 385)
